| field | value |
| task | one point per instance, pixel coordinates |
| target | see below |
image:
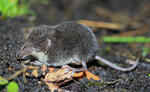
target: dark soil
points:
(12, 38)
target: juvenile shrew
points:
(63, 44)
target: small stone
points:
(124, 76)
(84, 80)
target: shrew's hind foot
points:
(82, 72)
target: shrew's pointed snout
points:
(20, 55)
(24, 52)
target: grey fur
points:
(71, 42)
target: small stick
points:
(17, 73)
(105, 25)
(120, 18)
(143, 13)
(111, 82)
(24, 76)
(115, 17)
(134, 32)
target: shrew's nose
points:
(20, 56)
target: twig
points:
(147, 60)
(115, 17)
(111, 82)
(105, 25)
(119, 18)
(103, 83)
(141, 15)
(134, 32)
(24, 76)
(17, 73)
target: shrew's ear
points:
(47, 43)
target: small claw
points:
(68, 67)
(65, 66)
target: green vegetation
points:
(13, 8)
(95, 83)
(106, 50)
(145, 51)
(11, 86)
(149, 74)
(115, 39)
(3, 81)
